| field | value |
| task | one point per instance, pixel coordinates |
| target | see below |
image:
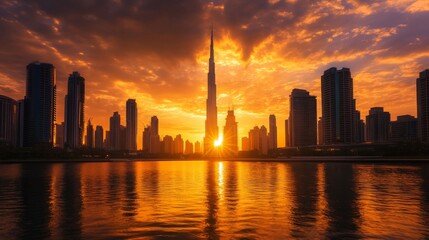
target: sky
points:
(156, 51)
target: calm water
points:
(213, 200)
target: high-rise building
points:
(337, 106)
(40, 105)
(146, 139)
(258, 140)
(178, 144)
(107, 140)
(189, 149)
(168, 144)
(131, 125)
(423, 106)
(89, 135)
(230, 137)
(20, 122)
(404, 129)
(272, 135)
(254, 139)
(377, 125)
(115, 132)
(302, 119)
(197, 147)
(358, 130)
(263, 140)
(154, 135)
(74, 111)
(320, 132)
(244, 144)
(59, 135)
(287, 137)
(123, 137)
(8, 121)
(212, 131)
(99, 132)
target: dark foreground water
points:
(213, 200)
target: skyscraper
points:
(189, 149)
(230, 137)
(89, 135)
(212, 131)
(377, 125)
(59, 135)
(8, 121)
(131, 126)
(423, 106)
(404, 129)
(302, 119)
(154, 135)
(168, 144)
(178, 144)
(272, 135)
(99, 132)
(115, 131)
(146, 139)
(337, 106)
(74, 111)
(40, 105)
(197, 147)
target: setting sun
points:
(218, 142)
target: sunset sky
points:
(157, 51)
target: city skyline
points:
(385, 55)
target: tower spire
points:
(211, 44)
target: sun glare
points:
(218, 142)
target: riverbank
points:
(316, 159)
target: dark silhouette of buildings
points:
(178, 144)
(423, 106)
(40, 99)
(89, 135)
(258, 140)
(74, 111)
(115, 132)
(8, 121)
(212, 131)
(99, 132)
(337, 106)
(189, 148)
(302, 119)
(167, 143)
(358, 130)
(154, 135)
(59, 135)
(272, 135)
(230, 137)
(404, 129)
(146, 139)
(244, 144)
(377, 125)
(131, 136)
(197, 147)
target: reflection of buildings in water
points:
(151, 179)
(306, 195)
(71, 206)
(341, 197)
(114, 180)
(211, 202)
(231, 183)
(130, 203)
(36, 199)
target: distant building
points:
(59, 135)
(8, 121)
(423, 106)
(168, 144)
(197, 147)
(302, 119)
(154, 135)
(245, 144)
(258, 140)
(99, 132)
(287, 137)
(272, 135)
(358, 131)
(178, 144)
(107, 140)
(230, 136)
(89, 135)
(263, 136)
(131, 121)
(189, 149)
(320, 131)
(404, 129)
(377, 125)
(74, 111)
(146, 139)
(115, 132)
(40, 103)
(337, 106)
(20, 123)
(123, 138)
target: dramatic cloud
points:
(156, 51)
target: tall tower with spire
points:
(211, 134)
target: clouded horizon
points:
(156, 51)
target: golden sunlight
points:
(218, 142)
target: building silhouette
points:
(154, 146)
(189, 148)
(211, 127)
(358, 130)
(40, 103)
(272, 135)
(59, 135)
(74, 111)
(230, 136)
(115, 132)
(337, 106)
(320, 131)
(20, 121)
(287, 137)
(99, 132)
(245, 144)
(168, 144)
(131, 121)
(377, 125)
(423, 106)
(146, 139)
(404, 129)
(302, 119)
(197, 147)
(89, 135)
(258, 140)
(107, 140)
(8, 121)
(178, 144)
